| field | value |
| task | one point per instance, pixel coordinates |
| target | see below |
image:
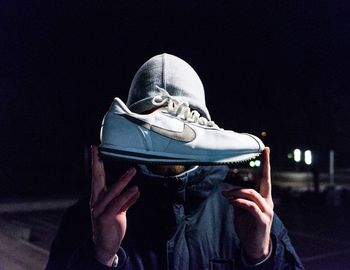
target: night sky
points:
(278, 66)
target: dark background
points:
(278, 66)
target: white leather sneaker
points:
(172, 134)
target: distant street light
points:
(297, 155)
(308, 157)
(263, 133)
(255, 163)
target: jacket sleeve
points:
(283, 255)
(72, 248)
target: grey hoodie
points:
(172, 74)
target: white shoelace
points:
(180, 108)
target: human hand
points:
(253, 214)
(108, 209)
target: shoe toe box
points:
(255, 142)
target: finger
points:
(249, 194)
(131, 202)
(98, 183)
(114, 191)
(265, 180)
(116, 205)
(250, 206)
(233, 188)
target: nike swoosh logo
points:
(186, 135)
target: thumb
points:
(265, 179)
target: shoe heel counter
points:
(118, 106)
(118, 131)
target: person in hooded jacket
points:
(172, 217)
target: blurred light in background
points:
(263, 133)
(255, 163)
(297, 155)
(290, 156)
(308, 157)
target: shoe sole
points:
(154, 158)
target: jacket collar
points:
(197, 182)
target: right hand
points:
(108, 209)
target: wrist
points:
(104, 258)
(258, 255)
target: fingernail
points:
(132, 170)
(129, 171)
(126, 173)
(98, 154)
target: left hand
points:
(253, 214)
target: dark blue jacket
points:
(180, 223)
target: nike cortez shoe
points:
(172, 134)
